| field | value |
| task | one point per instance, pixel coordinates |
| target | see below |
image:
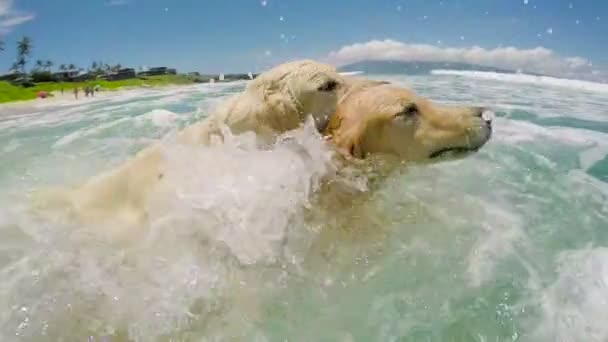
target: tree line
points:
(24, 53)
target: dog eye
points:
(328, 86)
(408, 112)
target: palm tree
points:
(48, 64)
(39, 65)
(62, 67)
(94, 66)
(15, 67)
(71, 66)
(24, 50)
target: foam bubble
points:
(158, 117)
(496, 241)
(575, 306)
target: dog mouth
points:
(461, 151)
(453, 152)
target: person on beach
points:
(76, 92)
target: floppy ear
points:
(353, 84)
(348, 147)
(347, 140)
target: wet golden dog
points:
(371, 118)
(277, 101)
(377, 128)
(375, 117)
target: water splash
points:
(232, 209)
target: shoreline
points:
(57, 98)
(10, 93)
(68, 98)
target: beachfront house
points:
(12, 76)
(66, 75)
(121, 74)
(157, 71)
(73, 75)
(83, 76)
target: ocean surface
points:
(508, 244)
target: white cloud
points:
(13, 21)
(5, 6)
(117, 2)
(10, 17)
(537, 60)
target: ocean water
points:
(508, 244)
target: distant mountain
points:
(413, 68)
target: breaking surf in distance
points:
(527, 79)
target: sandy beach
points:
(57, 99)
(68, 99)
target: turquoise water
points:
(508, 244)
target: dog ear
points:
(353, 84)
(355, 148)
(351, 151)
(345, 134)
(334, 123)
(348, 143)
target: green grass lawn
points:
(10, 93)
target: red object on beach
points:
(42, 94)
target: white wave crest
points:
(527, 79)
(351, 73)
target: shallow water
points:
(509, 244)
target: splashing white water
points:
(234, 210)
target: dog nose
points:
(483, 113)
(487, 116)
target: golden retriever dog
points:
(375, 117)
(366, 118)
(395, 126)
(370, 118)
(277, 101)
(378, 127)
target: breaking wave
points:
(527, 79)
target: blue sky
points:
(243, 35)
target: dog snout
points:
(483, 113)
(477, 111)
